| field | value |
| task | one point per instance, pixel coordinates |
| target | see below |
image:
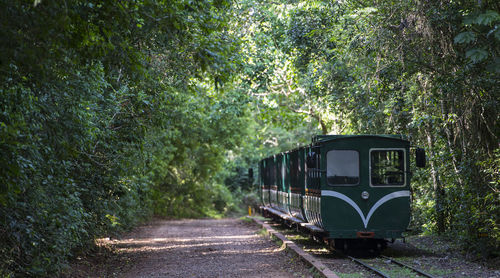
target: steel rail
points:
(408, 266)
(379, 272)
(369, 267)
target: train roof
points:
(318, 139)
(322, 138)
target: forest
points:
(112, 112)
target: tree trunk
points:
(438, 188)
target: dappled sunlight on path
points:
(202, 248)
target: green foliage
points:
(110, 111)
(428, 70)
(465, 37)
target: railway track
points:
(388, 260)
(337, 262)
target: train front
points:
(365, 192)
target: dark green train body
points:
(343, 187)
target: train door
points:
(388, 189)
(273, 182)
(282, 193)
(264, 181)
(341, 187)
(287, 181)
(296, 184)
(312, 197)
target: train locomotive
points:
(351, 191)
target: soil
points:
(236, 248)
(191, 248)
(435, 255)
(441, 255)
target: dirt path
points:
(198, 248)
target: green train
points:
(352, 191)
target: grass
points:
(439, 272)
(398, 271)
(277, 241)
(314, 272)
(433, 244)
(351, 275)
(246, 219)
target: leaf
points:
(487, 18)
(465, 37)
(476, 55)
(469, 20)
(495, 31)
(494, 66)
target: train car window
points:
(387, 167)
(342, 167)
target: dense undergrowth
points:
(109, 113)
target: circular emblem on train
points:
(365, 195)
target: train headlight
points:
(365, 195)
